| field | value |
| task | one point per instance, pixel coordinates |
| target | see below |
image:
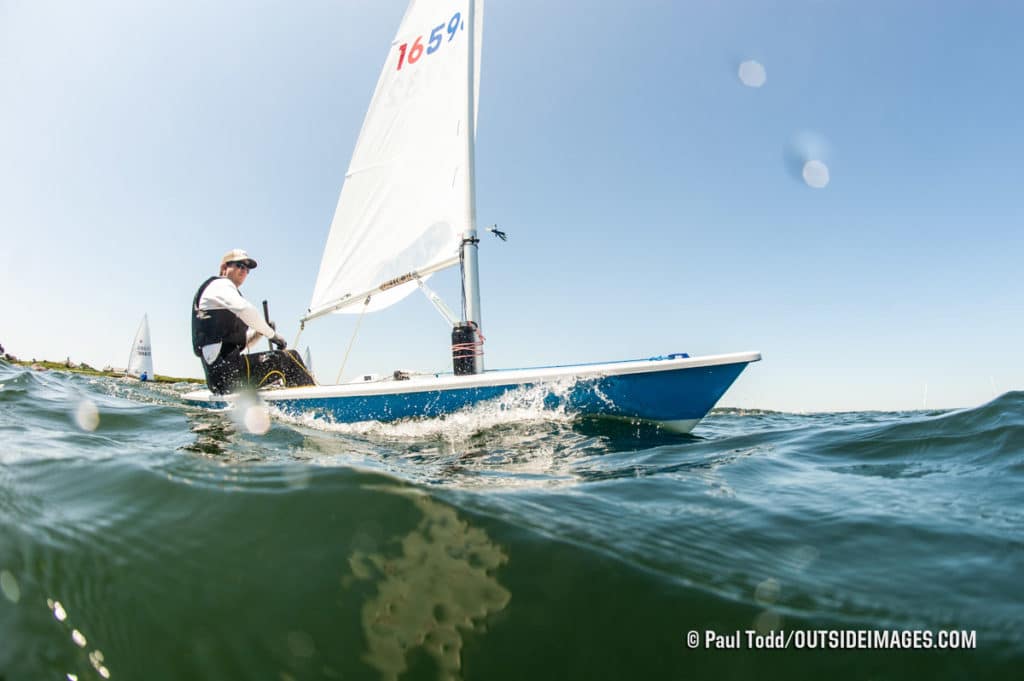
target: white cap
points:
(238, 255)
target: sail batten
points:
(402, 208)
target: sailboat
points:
(307, 359)
(408, 210)
(140, 361)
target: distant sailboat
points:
(140, 362)
(308, 359)
(408, 209)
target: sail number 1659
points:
(411, 55)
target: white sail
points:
(141, 359)
(402, 209)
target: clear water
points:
(142, 538)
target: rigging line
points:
(437, 302)
(359, 321)
(302, 327)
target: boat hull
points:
(675, 392)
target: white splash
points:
(752, 73)
(521, 405)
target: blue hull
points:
(675, 392)
(676, 398)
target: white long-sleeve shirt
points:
(221, 294)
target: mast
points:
(470, 268)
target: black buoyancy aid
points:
(215, 326)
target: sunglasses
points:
(241, 265)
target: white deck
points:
(422, 383)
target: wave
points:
(987, 438)
(292, 546)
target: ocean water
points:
(144, 539)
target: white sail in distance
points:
(308, 361)
(402, 208)
(141, 358)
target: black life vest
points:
(215, 326)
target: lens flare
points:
(300, 644)
(804, 556)
(96, 658)
(58, 610)
(752, 73)
(805, 157)
(251, 414)
(767, 592)
(768, 621)
(257, 419)
(9, 586)
(815, 174)
(87, 415)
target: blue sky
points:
(649, 195)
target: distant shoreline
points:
(82, 368)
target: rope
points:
(473, 349)
(355, 331)
(463, 350)
(272, 372)
(302, 366)
(284, 379)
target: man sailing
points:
(224, 324)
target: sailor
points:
(224, 324)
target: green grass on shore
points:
(86, 369)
